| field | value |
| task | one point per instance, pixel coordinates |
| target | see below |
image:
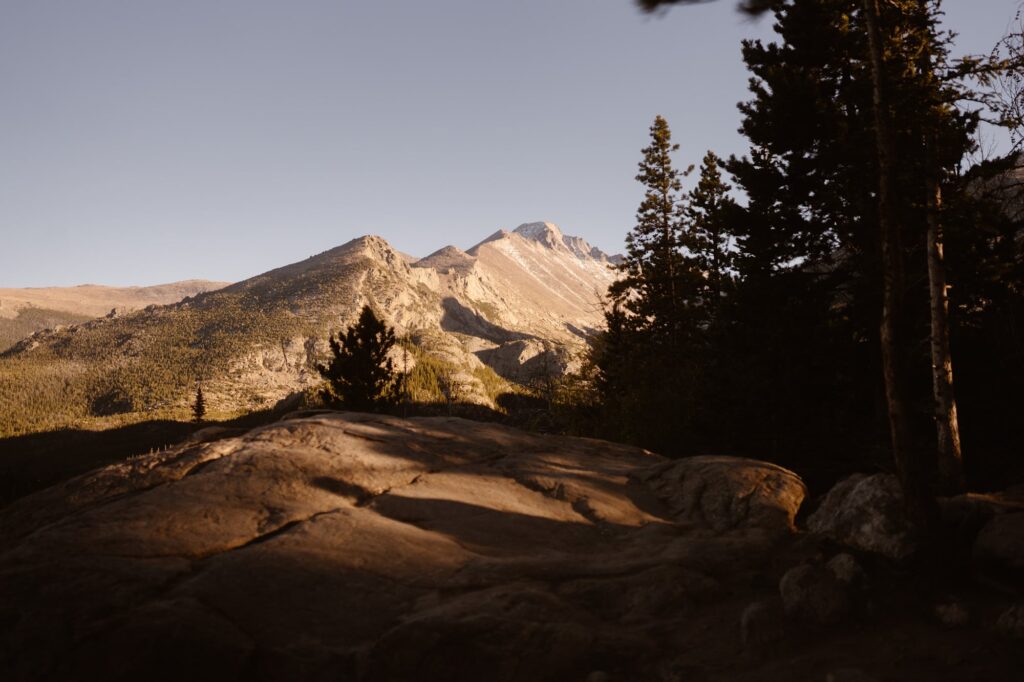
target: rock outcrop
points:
(351, 546)
(866, 513)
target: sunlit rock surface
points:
(348, 546)
(726, 493)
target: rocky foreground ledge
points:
(343, 546)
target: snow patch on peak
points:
(546, 236)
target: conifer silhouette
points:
(360, 375)
(199, 406)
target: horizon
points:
(281, 132)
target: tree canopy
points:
(770, 343)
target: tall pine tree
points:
(710, 212)
(649, 371)
(655, 272)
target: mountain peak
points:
(544, 232)
(446, 259)
(374, 246)
(549, 235)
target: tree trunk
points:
(908, 460)
(950, 460)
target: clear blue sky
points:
(145, 141)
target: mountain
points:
(24, 311)
(516, 304)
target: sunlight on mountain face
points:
(255, 342)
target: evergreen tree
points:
(656, 273)
(710, 212)
(839, 193)
(199, 406)
(360, 374)
(649, 363)
(855, 184)
(805, 311)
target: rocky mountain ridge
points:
(516, 303)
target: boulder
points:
(999, 547)
(966, 507)
(812, 594)
(728, 493)
(1011, 622)
(866, 513)
(847, 571)
(762, 622)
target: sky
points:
(149, 141)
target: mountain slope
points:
(27, 310)
(94, 300)
(507, 302)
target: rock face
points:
(866, 513)
(726, 493)
(361, 547)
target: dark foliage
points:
(774, 348)
(360, 374)
(754, 7)
(199, 406)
